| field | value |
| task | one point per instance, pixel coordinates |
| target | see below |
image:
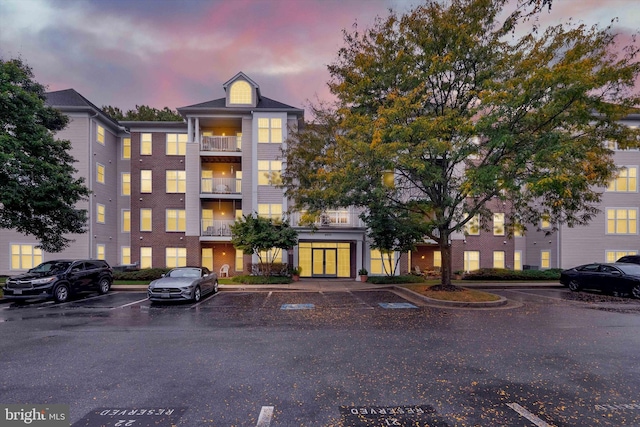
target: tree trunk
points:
(445, 251)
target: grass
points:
(465, 295)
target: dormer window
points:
(240, 93)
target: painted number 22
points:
(129, 423)
(392, 422)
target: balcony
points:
(221, 143)
(220, 186)
(332, 219)
(216, 228)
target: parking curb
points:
(483, 304)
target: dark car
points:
(60, 279)
(633, 259)
(609, 278)
(183, 284)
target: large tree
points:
(38, 190)
(463, 111)
(143, 113)
(255, 235)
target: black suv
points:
(631, 259)
(60, 279)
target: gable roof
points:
(263, 104)
(69, 100)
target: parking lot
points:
(360, 358)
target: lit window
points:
(24, 257)
(240, 93)
(145, 144)
(613, 256)
(100, 134)
(270, 130)
(100, 251)
(273, 211)
(176, 220)
(146, 181)
(498, 259)
(126, 221)
(125, 255)
(146, 257)
(100, 173)
(471, 260)
(545, 222)
(472, 228)
(100, 213)
(498, 224)
(437, 259)
(239, 260)
(126, 148)
(545, 259)
(518, 230)
(626, 181)
(176, 144)
(269, 172)
(145, 219)
(622, 221)
(271, 255)
(381, 263)
(176, 181)
(175, 257)
(388, 179)
(126, 184)
(207, 258)
(517, 260)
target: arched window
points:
(240, 93)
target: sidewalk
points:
(341, 285)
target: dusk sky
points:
(176, 53)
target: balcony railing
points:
(220, 186)
(216, 227)
(332, 219)
(220, 143)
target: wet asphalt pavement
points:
(350, 359)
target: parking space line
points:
(131, 303)
(266, 413)
(528, 415)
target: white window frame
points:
(142, 212)
(100, 134)
(176, 144)
(179, 218)
(177, 184)
(146, 176)
(146, 145)
(631, 180)
(25, 254)
(101, 177)
(101, 213)
(630, 222)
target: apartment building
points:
(164, 194)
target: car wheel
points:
(635, 291)
(61, 293)
(574, 285)
(215, 287)
(197, 295)
(103, 286)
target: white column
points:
(189, 130)
(197, 130)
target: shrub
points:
(148, 274)
(505, 274)
(261, 280)
(393, 280)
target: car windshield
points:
(184, 272)
(633, 269)
(51, 267)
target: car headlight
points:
(43, 281)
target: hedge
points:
(552, 274)
(148, 274)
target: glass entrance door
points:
(324, 261)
